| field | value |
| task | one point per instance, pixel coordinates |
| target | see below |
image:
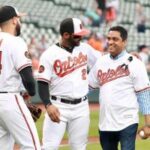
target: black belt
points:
(74, 101)
(3, 92)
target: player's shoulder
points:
(50, 51)
(134, 58)
(135, 63)
(20, 40)
(103, 60)
(105, 57)
(7, 37)
(11, 38)
(13, 41)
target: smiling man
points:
(124, 88)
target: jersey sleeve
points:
(93, 80)
(45, 68)
(93, 55)
(20, 54)
(140, 77)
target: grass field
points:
(93, 132)
(140, 145)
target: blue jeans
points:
(109, 139)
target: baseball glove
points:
(34, 110)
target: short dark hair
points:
(123, 32)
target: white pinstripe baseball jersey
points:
(67, 72)
(13, 58)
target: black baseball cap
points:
(73, 26)
(8, 12)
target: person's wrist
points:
(47, 105)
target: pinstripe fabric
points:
(143, 98)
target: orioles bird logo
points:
(41, 69)
(28, 55)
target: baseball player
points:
(16, 122)
(63, 87)
(124, 87)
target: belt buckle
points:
(84, 98)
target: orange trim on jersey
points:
(24, 66)
(42, 79)
(26, 122)
(143, 89)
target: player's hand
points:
(25, 95)
(53, 113)
(146, 130)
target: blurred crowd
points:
(36, 48)
(105, 11)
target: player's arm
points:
(92, 78)
(143, 98)
(28, 80)
(52, 111)
(93, 56)
(43, 90)
(142, 88)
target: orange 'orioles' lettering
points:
(112, 74)
(63, 68)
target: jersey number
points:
(84, 74)
(0, 61)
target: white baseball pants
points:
(74, 119)
(16, 124)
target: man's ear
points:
(14, 20)
(125, 43)
(66, 35)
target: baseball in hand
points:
(141, 133)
